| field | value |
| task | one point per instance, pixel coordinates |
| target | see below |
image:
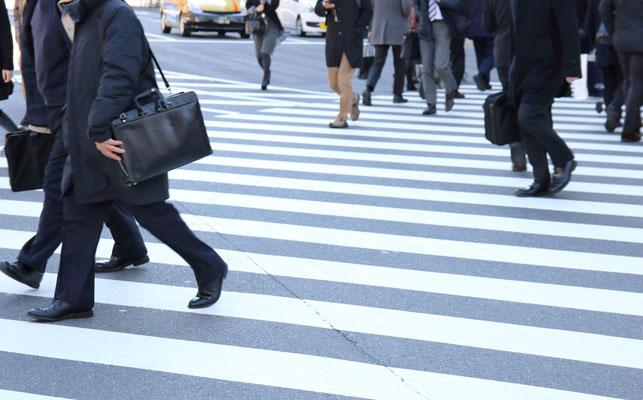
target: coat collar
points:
(74, 11)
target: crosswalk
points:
(386, 261)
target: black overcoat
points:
(269, 10)
(6, 48)
(345, 34)
(624, 21)
(110, 64)
(605, 54)
(496, 17)
(546, 48)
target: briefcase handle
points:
(161, 101)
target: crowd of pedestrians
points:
(84, 61)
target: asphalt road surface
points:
(387, 261)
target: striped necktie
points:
(433, 10)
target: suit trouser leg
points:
(399, 65)
(518, 151)
(442, 36)
(164, 222)
(535, 124)
(381, 50)
(427, 52)
(81, 232)
(37, 250)
(632, 64)
(484, 56)
(128, 242)
(457, 59)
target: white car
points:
(299, 16)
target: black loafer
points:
(366, 98)
(116, 263)
(562, 176)
(399, 99)
(430, 109)
(208, 294)
(58, 311)
(536, 189)
(21, 273)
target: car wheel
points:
(183, 30)
(221, 33)
(299, 29)
(164, 27)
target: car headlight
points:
(193, 6)
(308, 9)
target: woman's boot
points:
(265, 58)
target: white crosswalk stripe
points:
(400, 234)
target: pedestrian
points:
(483, 43)
(45, 62)
(607, 60)
(624, 23)
(267, 38)
(410, 63)
(387, 29)
(104, 79)
(546, 61)
(436, 27)
(6, 59)
(496, 17)
(347, 21)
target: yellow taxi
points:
(189, 16)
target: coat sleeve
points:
(124, 48)
(365, 15)
(319, 9)
(489, 23)
(455, 5)
(7, 40)
(252, 3)
(567, 23)
(606, 10)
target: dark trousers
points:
(381, 51)
(613, 90)
(503, 75)
(517, 148)
(37, 250)
(538, 135)
(632, 64)
(81, 231)
(484, 55)
(457, 59)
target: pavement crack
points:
(375, 360)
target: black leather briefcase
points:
(160, 136)
(27, 154)
(500, 120)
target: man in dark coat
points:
(110, 64)
(496, 17)
(347, 21)
(45, 62)
(624, 23)
(436, 28)
(6, 63)
(483, 45)
(547, 59)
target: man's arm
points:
(489, 23)
(567, 23)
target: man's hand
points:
(7, 74)
(571, 79)
(110, 149)
(260, 8)
(327, 4)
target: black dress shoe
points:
(430, 109)
(481, 83)
(208, 294)
(459, 95)
(518, 167)
(536, 189)
(449, 101)
(399, 99)
(22, 273)
(630, 137)
(116, 263)
(366, 97)
(58, 311)
(411, 88)
(562, 176)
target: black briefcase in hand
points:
(160, 136)
(500, 120)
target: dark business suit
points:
(547, 50)
(45, 55)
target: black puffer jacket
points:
(110, 64)
(624, 22)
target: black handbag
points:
(254, 25)
(411, 48)
(368, 58)
(500, 120)
(162, 135)
(27, 154)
